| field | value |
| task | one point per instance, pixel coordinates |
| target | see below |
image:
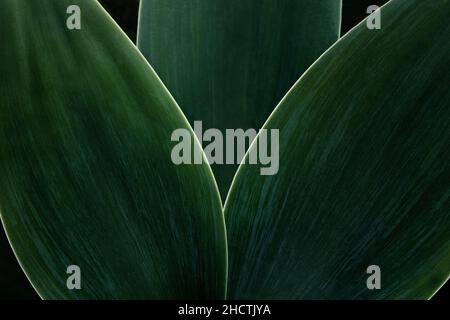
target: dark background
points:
(126, 13)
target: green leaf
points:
(228, 63)
(364, 171)
(85, 161)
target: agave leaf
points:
(364, 171)
(86, 172)
(228, 63)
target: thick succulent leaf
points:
(228, 63)
(364, 171)
(85, 161)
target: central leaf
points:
(229, 62)
(86, 173)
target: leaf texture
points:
(86, 173)
(364, 171)
(228, 63)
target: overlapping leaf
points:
(86, 174)
(364, 171)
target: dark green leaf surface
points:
(228, 63)
(364, 171)
(86, 173)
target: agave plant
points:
(87, 177)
